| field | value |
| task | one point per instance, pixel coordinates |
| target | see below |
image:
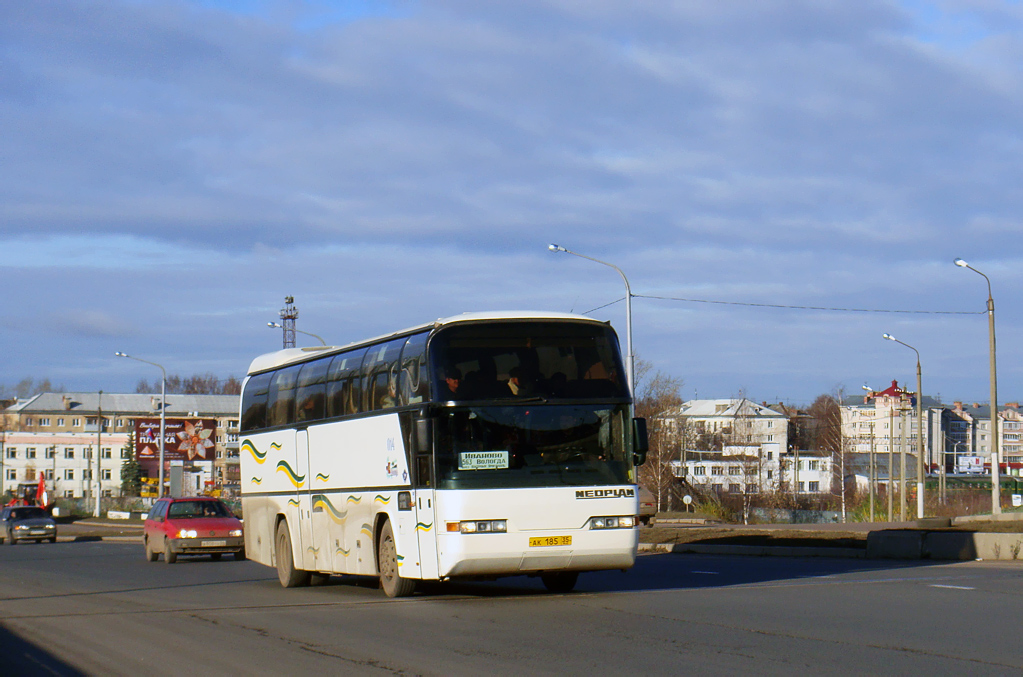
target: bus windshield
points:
(526, 360)
(532, 446)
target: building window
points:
(814, 486)
(716, 487)
(770, 438)
(44, 421)
(800, 487)
(770, 474)
(815, 465)
(30, 452)
(105, 472)
(76, 422)
(734, 488)
(49, 473)
(60, 423)
(770, 424)
(69, 452)
(12, 452)
(69, 493)
(770, 456)
(69, 473)
(87, 474)
(28, 421)
(717, 470)
(51, 452)
(699, 470)
(734, 470)
(12, 474)
(106, 452)
(107, 493)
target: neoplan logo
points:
(605, 493)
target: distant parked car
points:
(197, 525)
(647, 505)
(27, 523)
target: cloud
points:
(173, 169)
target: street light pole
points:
(996, 502)
(163, 412)
(274, 325)
(630, 359)
(919, 431)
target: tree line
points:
(197, 384)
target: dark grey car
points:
(27, 523)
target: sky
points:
(782, 182)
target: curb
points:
(753, 550)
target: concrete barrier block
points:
(895, 544)
(999, 546)
(956, 545)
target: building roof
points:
(127, 403)
(726, 409)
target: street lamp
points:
(274, 325)
(163, 412)
(630, 360)
(919, 431)
(996, 502)
(871, 472)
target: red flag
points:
(41, 489)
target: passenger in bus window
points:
(452, 382)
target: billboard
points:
(185, 439)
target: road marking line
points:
(952, 587)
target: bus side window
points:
(281, 398)
(381, 369)
(254, 403)
(413, 386)
(312, 391)
(344, 372)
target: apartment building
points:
(78, 440)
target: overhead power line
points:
(793, 307)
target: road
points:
(99, 608)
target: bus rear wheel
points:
(387, 563)
(562, 581)
(289, 576)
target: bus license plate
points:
(544, 541)
(214, 544)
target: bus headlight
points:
(479, 526)
(621, 522)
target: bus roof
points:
(291, 355)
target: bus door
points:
(302, 483)
(425, 508)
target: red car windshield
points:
(181, 509)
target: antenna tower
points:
(289, 313)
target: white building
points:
(733, 445)
(64, 436)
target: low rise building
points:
(79, 440)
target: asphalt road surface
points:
(99, 608)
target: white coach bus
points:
(477, 446)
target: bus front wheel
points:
(562, 581)
(387, 563)
(289, 576)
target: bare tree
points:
(659, 400)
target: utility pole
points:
(872, 476)
(891, 458)
(99, 451)
(902, 462)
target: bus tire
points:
(562, 581)
(387, 564)
(289, 576)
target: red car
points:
(196, 525)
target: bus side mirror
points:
(640, 441)
(424, 435)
